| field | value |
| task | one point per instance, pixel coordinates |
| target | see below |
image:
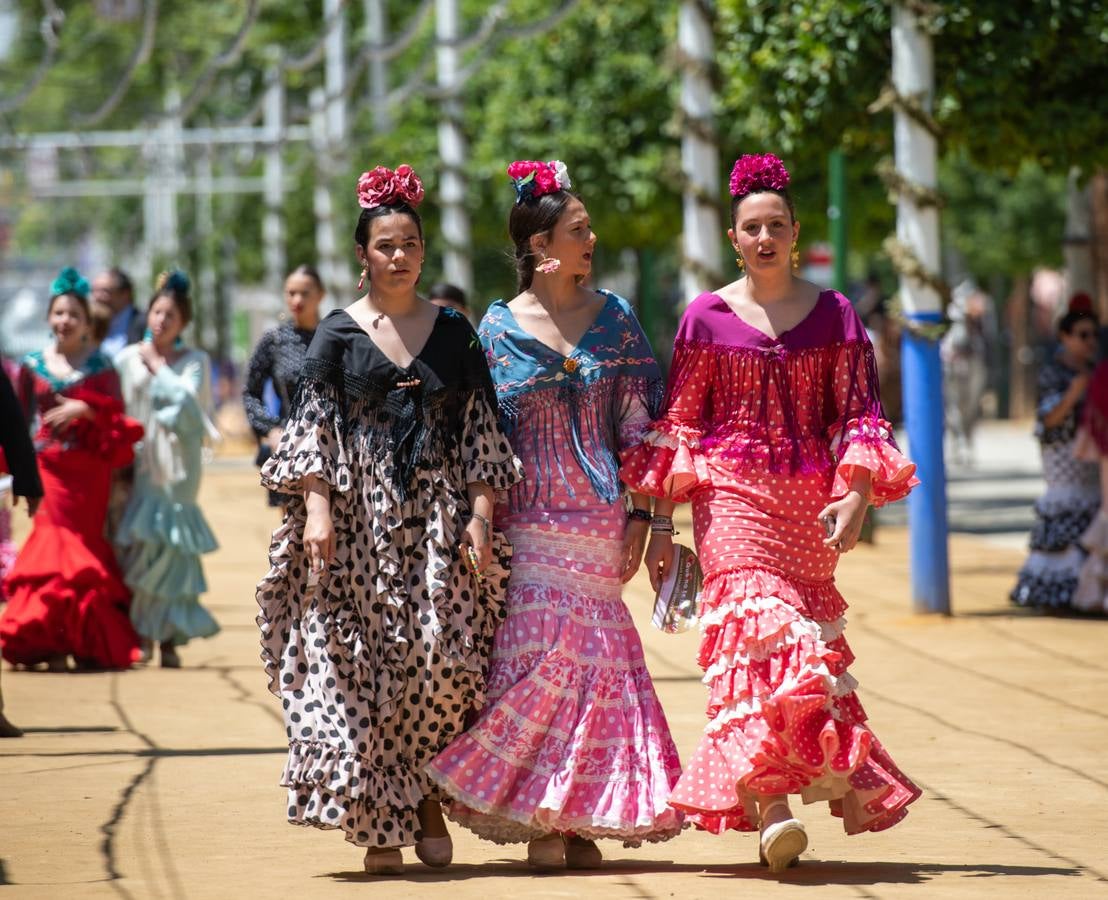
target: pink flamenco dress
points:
(760, 434)
(572, 738)
(65, 593)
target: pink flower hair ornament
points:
(383, 187)
(532, 179)
(758, 172)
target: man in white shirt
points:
(113, 291)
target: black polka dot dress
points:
(378, 664)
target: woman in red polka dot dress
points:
(773, 428)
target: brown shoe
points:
(582, 853)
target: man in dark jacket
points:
(112, 290)
(19, 452)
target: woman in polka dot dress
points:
(375, 635)
(573, 745)
(774, 430)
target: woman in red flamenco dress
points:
(773, 428)
(66, 596)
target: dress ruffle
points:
(109, 434)
(331, 788)
(498, 473)
(156, 518)
(573, 739)
(66, 597)
(867, 442)
(1091, 594)
(163, 540)
(783, 716)
(668, 463)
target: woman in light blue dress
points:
(167, 387)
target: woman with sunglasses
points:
(1049, 577)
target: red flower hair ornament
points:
(758, 172)
(383, 187)
(532, 179)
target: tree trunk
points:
(1099, 238)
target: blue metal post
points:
(922, 379)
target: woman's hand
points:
(477, 536)
(659, 558)
(150, 357)
(319, 531)
(634, 539)
(67, 411)
(849, 514)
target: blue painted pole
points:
(922, 380)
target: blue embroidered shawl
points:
(603, 394)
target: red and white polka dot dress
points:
(760, 434)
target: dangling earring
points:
(548, 265)
(361, 281)
(795, 256)
(740, 262)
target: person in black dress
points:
(279, 358)
(19, 455)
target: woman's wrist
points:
(662, 525)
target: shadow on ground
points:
(810, 872)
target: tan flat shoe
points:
(546, 852)
(388, 861)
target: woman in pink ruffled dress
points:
(773, 429)
(573, 745)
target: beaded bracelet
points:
(641, 515)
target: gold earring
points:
(740, 262)
(361, 281)
(795, 256)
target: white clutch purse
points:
(676, 603)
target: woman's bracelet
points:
(662, 525)
(639, 515)
(488, 525)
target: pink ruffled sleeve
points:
(669, 461)
(861, 436)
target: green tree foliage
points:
(1016, 83)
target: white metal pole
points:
(205, 223)
(377, 33)
(457, 265)
(702, 232)
(273, 225)
(321, 199)
(335, 71)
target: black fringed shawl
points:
(409, 427)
